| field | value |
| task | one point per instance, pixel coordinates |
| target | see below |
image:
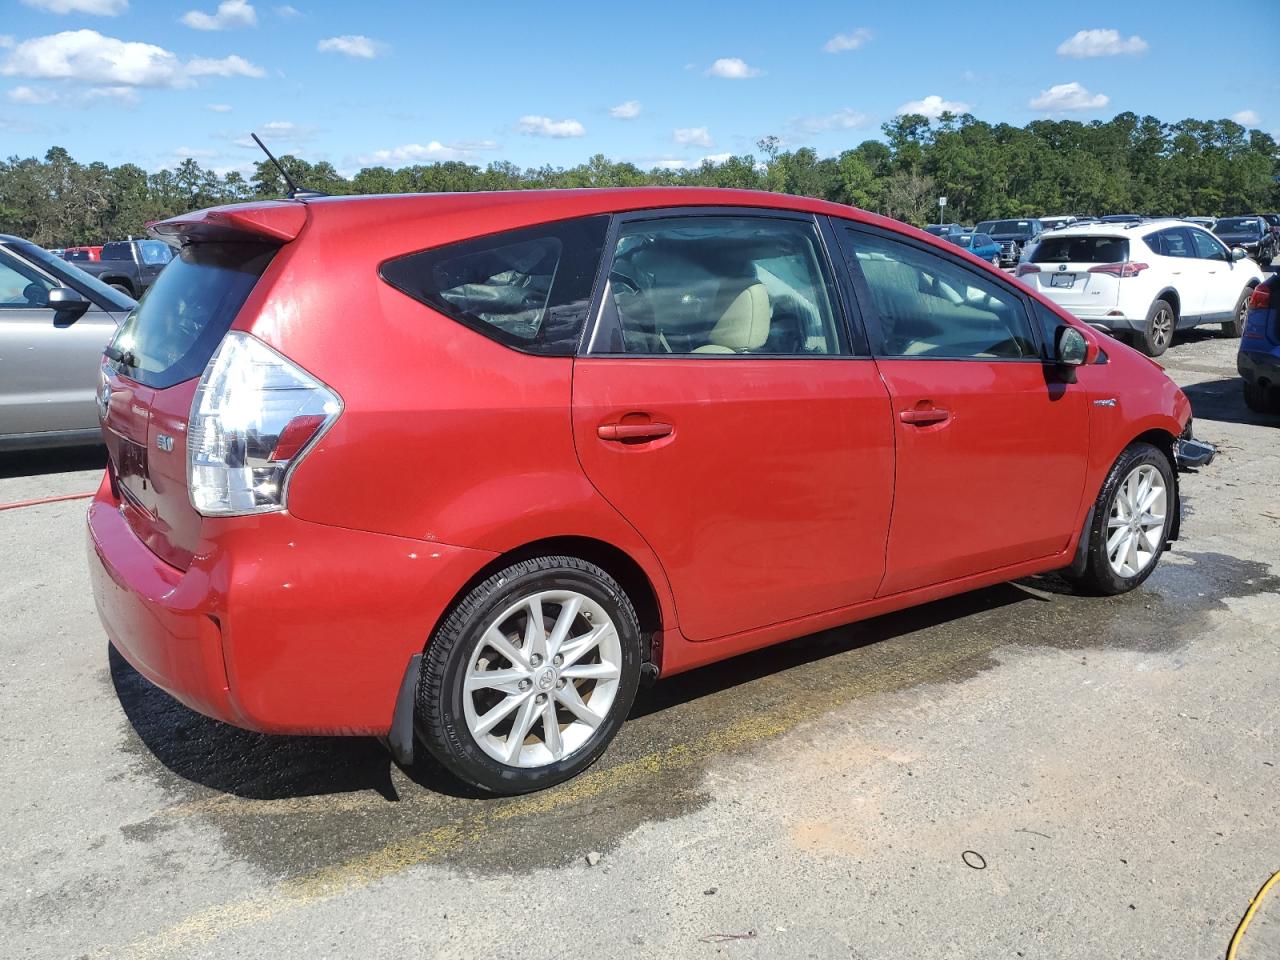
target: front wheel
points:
(1131, 521)
(1235, 326)
(1261, 399)
(530, 676)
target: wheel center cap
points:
(546, 679)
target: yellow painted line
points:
(330, 882)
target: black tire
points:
(1157, 332)
(440, 718)
(1261, 399)
(1235, 326)
(1099, 577)
(123, 288)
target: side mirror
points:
(1070, 351)
(67, 303)
(1239, 253)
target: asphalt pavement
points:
(1017, 772)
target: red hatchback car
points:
(461, 470)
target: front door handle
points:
(634, 432)
(918, 417)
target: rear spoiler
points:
(271, 221)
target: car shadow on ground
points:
(1223, 401)
(35, 463)
(241, 763)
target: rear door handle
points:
(634, 431)
(922, 418)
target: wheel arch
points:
(1170, 296)
(616, 562)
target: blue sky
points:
(658, 83)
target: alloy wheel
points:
(1162, 327)
(1136, 521)
(542, 677)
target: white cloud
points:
(1100, 43)
(932, 106)
(677, 163)
(195, 153)
(277, 131)
(1068, 96)
(229, 15)
(625, 111)
(288, 12)
(732, 68)
(232, 66)
(536, 126)
(844, 119)
(692, 137)
(352, 45)
(1247, 118)
(419, 153)
(31, 96)
(219, 107)
(42, 96)
(96, 8)
(843, 42)
(89, 57)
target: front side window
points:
(22, 287)
(1207, 248)
(154, 252)
(930, 307)
(719, 285)
(528, 288)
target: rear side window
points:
(528, 288)
(154, 253)
(171, 334)
(115, 251)
(1175, 242)
(1081, 250)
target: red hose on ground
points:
(39, 500)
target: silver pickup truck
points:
(55, 320)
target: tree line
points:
(1128, 164)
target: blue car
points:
(1259, 357)
(979, 244)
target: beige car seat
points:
(744, 324)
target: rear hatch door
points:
(1073, 270)
(153, 366)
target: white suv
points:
(1145, 280)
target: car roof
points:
(1141, 228)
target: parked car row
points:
(131, 266)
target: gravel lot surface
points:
(1113, 762)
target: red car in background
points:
(82, 254)
(459, 470)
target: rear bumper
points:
(1254, 366)
(279, 625)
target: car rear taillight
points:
(1261, 299)
(1120, 269)
(254, 415)
(1025, 268)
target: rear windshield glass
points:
(175, 329)
(1005, 226)
(1237, 224)
(1081, 250)
(527, 288)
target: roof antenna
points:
(295, 192)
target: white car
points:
(1143, 281)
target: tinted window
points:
(1207, 248)
(1171, 243)
(1021, 227)
(21, 287)
(154, 253)
(116, 251)
(1081, 250)
(175, 329)
(932, 307)
(527, 288)
(718, 286)
(1238, 225)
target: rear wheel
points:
(1261, 398)
(1235, 326)
(123, 288)
(530, 676)
(1157, 333)
(1131, 521)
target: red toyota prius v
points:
(459, 471)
